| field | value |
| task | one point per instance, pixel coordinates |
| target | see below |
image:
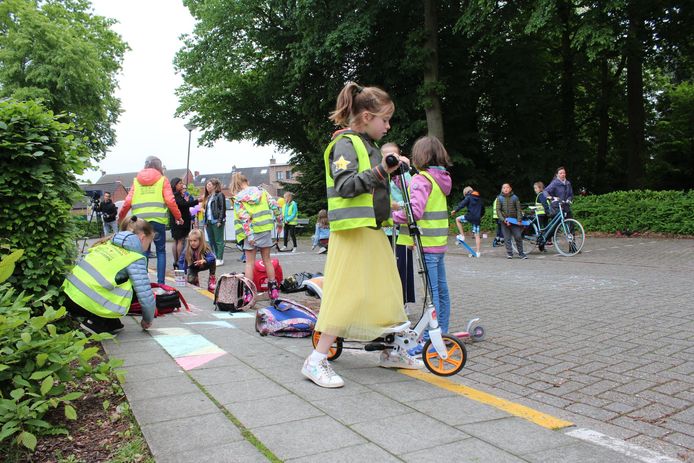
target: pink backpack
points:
(234, 293)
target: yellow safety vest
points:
(349, 213)
(433, 225)
(494, 214)
(238, 227)
(287, 208)
(262, 218)
(539, 208)
(92, 282)
(148, 202)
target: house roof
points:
(102, 188)
(126, 178)
(223, 177)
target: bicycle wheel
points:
(569, 237)
(335, 349)
(457, 356)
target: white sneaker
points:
(478, 254)
(283, 248)
(403, 360)
(322, 250)
(322, 374)
(460, 237)
(293, 249)
(218, 262)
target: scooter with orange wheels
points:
(442, 354)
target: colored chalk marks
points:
(188, 349)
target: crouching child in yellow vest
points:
(99, 289)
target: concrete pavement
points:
(566, 337)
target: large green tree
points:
(523, 86)
(58, 51)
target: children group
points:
(365, 288)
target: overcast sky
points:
(147, 83)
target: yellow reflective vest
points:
(349, 213)
(539, 208)
(92, 282)
(433, 225)
(262, 218)
(148, 201)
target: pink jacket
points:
(420, 189)
(150, 177)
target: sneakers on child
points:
(322, 250)
(460, 237)
(416, 350)
(272, 290)
(294, 249)
(403, 360)
(212, 283)
(97, 326)
(523, 256)
(283, 248)
(510, 256)
(322, 374)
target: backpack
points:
(285, 318)
(167, 299)
(297, 282)
(260, 274)
(234, 293)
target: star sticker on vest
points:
(341, 164)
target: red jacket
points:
(150, 177)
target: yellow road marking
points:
(527, 413)
(204, 292)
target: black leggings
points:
(287, 230)
(76, 310)
(193, 270)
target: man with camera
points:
(109, 214)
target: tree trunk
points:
(603, 125)
(636, 144)
(432, 105)
(568, 99)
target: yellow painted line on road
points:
(527, 413)
(202, 291)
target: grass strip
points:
(245, 432)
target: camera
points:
(392, 160)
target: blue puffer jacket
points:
(137, 273)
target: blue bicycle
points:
(567, 235)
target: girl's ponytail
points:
(345, 101)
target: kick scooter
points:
(442, 354)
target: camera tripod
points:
(95, 205)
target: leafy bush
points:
(637, 210)
(36, 364)
(39, 157)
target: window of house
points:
(289, 174)
(280, 175)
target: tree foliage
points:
(61, 53)
(39, 158)
(525, 86)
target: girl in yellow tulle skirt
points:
(362, 293)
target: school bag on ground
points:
(297, 282)
(260, 274)
(285, 318)
(234, 293)
(167, 299)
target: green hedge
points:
(637, 210)
(632, 211)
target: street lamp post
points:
(189, 127)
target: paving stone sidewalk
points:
(253, 397)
